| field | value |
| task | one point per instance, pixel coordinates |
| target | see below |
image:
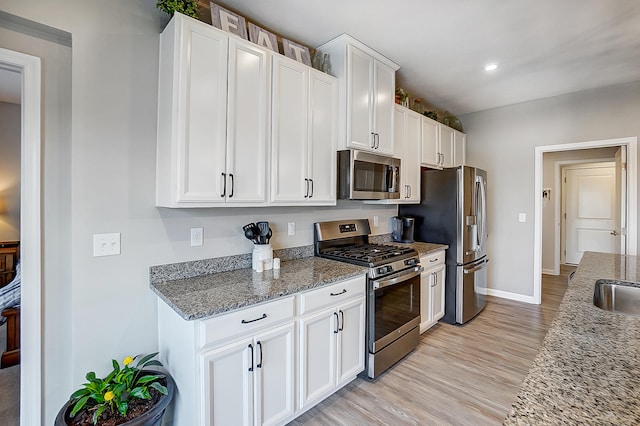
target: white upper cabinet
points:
(442, 146)
(367, 93)
(446, 146)
(430, 142)
(408, 132)
(304, 135)
(459, 148)
(213, 100)
(247, 123)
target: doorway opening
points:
(29, 68)
(630, 203)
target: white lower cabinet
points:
(331, 341)
(432, 289)
(251, 381)
(265, 364)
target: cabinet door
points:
(437, 294)
(459, 148)
(275, 374)
(324, 138)
(430, 142)
(247, 126)
(359, 99)
(426, 279)
(400, 138)
(350, 359)
(228, 384)
(201, 128)
(411, 159)
(289, 133)
(317, 356)
(384, 95)
(446, 146)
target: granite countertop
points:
(213, 294)
(588, 369)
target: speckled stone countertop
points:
(588, 369)
(213, 294)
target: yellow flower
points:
(108, 396)
(128, 360)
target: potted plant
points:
(129, 395)
(186, 7)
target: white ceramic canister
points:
(262, 252)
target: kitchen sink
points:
(617, 296)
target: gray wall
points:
(102, 179)
(9, 172)
(502, 141)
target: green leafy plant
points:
(119, 387)
(186, 7)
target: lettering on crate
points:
(228, 21)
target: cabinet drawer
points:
(432, 259)
(247, 320)
(330, 295)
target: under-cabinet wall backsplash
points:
(223, 234)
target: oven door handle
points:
(397, 278)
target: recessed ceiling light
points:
(491, 67)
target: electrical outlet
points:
(291, 228)
(375, 221)
(106, 244)
(197, 237)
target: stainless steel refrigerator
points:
(453, 211)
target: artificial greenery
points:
(118, 388)
(186, 7)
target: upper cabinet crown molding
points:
(367, 93)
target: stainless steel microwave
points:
(366, 176)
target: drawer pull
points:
(433, 260)
(254, 320)
(344, 290)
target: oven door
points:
(393, 307)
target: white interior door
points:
(590, 215)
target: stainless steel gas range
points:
(393, 288)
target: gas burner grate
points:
(371, 253)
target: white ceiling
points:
(545, 48)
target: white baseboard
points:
(549, 272)
(511, 296)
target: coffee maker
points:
(402, 229)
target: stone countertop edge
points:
(214, 294)
(587, 370)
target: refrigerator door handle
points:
(480, 211)
(476, 268)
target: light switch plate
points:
(106, 244)
(197, 237)
(522, 217)
(291, 228)
(375, 221)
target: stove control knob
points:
(411, 262)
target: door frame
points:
(30, 235)
(632, 198)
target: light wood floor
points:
(462, 375)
